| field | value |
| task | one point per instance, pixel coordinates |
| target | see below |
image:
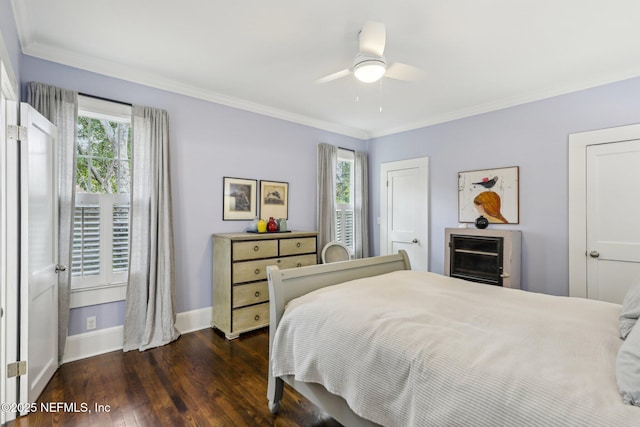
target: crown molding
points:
(22, 16)
(115, 70)
(508, 103)
(112, 69)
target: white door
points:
(39, 253)
(4, 245)
(604, 237)
(404, 213)
(11, 258)
(613, 233)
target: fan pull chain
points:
(380, 96)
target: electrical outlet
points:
(91, 322)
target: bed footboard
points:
(285, 285)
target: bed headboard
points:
(285, 285)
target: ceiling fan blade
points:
(373, 38)
(334, 76)
(400, 71)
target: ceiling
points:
(265, 56)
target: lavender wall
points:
(208, 141)
(534, 137)
(107, 316)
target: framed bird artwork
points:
(274, 199)
(492, 193)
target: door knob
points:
(60, 268)
(414, 241)
(594, 254)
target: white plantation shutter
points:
(339, 225)
(120, 232)
(86, 241)
(344, 225)
(100, 253)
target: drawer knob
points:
(257, 271)
(256, 248)
(257, 317)
(257, 294)
(299, 265)
(298, 244)
(279, 260)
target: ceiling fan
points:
(370, 64)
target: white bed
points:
(389, 346)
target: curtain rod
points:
(105, 99)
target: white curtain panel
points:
(326, 189)
(361, 205)
(150, 308)
(60, 107)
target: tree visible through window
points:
(103, 181)
(103, 150)
(344, 198)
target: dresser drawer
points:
(254, 316)
(251, 293)
(249, 271)
(297, 261)
(254, 249)
(303, 245)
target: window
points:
(101, 224)
(345, 198)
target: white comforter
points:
(420, 349)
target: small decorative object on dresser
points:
(272, 225)
(253, 226)
(240, 291)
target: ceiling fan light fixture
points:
(370, 70)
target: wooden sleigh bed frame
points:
(285, 285)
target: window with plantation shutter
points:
(100, 256)
(344, 198)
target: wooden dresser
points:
(240, 290)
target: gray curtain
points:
(361, 205)
(326, 189)
(60, 107)
(150, 308)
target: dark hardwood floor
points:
(199, 380)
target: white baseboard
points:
(92, 343)
(102, 341)
(193, 320)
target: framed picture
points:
(274, 199)
(240, 200)
(492, 193)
